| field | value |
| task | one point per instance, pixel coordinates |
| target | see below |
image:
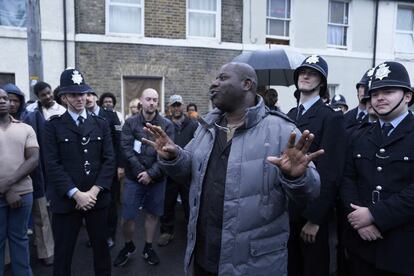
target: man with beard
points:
(239, 189)
(115, 126)
(309, 239)
(184, 129)
(378, 187)
(80, 165)
(144, 184)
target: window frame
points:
(107, 7)
(17, 28)
(286, 19)
(346, 26)
(396, 31)
(218, 22)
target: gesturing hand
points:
(144, 178)
(164, 146)
(294, 160)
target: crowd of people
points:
(260, 189)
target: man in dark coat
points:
(80, 166)
(184, 129)
(378, 185)
(308, 242)
(144, 185)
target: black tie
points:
(300, 111)
(360, 116)
(80, 121)
(386, 128)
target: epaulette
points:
(97, 116)
(54, 117)
(281, 115)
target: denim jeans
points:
(13, 226)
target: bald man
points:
(144, 184)
(243, 165)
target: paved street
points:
(171, 256)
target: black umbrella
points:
(273, 67)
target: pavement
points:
(171, 256)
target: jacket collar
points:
(253, 115)
(88, 125)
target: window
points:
(405, 29)
(203, 18)
(278, 18)
(125, 16)
(7, 78)
(338, 23)
(13, 13)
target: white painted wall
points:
(13, 45)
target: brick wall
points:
(90, 16)
(165, 18)
(231, 20)
(186, 71)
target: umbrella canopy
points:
(273, 67)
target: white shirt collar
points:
(308, 104)
(76, 115)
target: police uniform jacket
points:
(115, 127)
(77, 158)
(146, 157)
(328, 128)
(351, 118)
(387, 163)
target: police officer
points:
(378, 186)
(80, 165)
(308, 245)
(338, 103)
(359, 114)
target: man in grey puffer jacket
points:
(239, 189)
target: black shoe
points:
(150, 256)
(124, 254)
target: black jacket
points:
(115, 127)
(76, 159)
(328, 128)
(136, 163)
(373, 161)
(184, 133)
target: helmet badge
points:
(312, 59)
(383, 71)
(76, 77)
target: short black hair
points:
(192, 104)
(39, 86)
(107, 95)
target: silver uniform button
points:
(99, 138)
(382, 150)
(379, 169)
(66, 140)
(358, 155)
(85, 151)
(406, 158)
(378, 188)
(83, 139)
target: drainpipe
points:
(65, 37)
(374, 57)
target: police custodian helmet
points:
(72, 81)
(391, 74)
(338, 100)
(317, 63)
